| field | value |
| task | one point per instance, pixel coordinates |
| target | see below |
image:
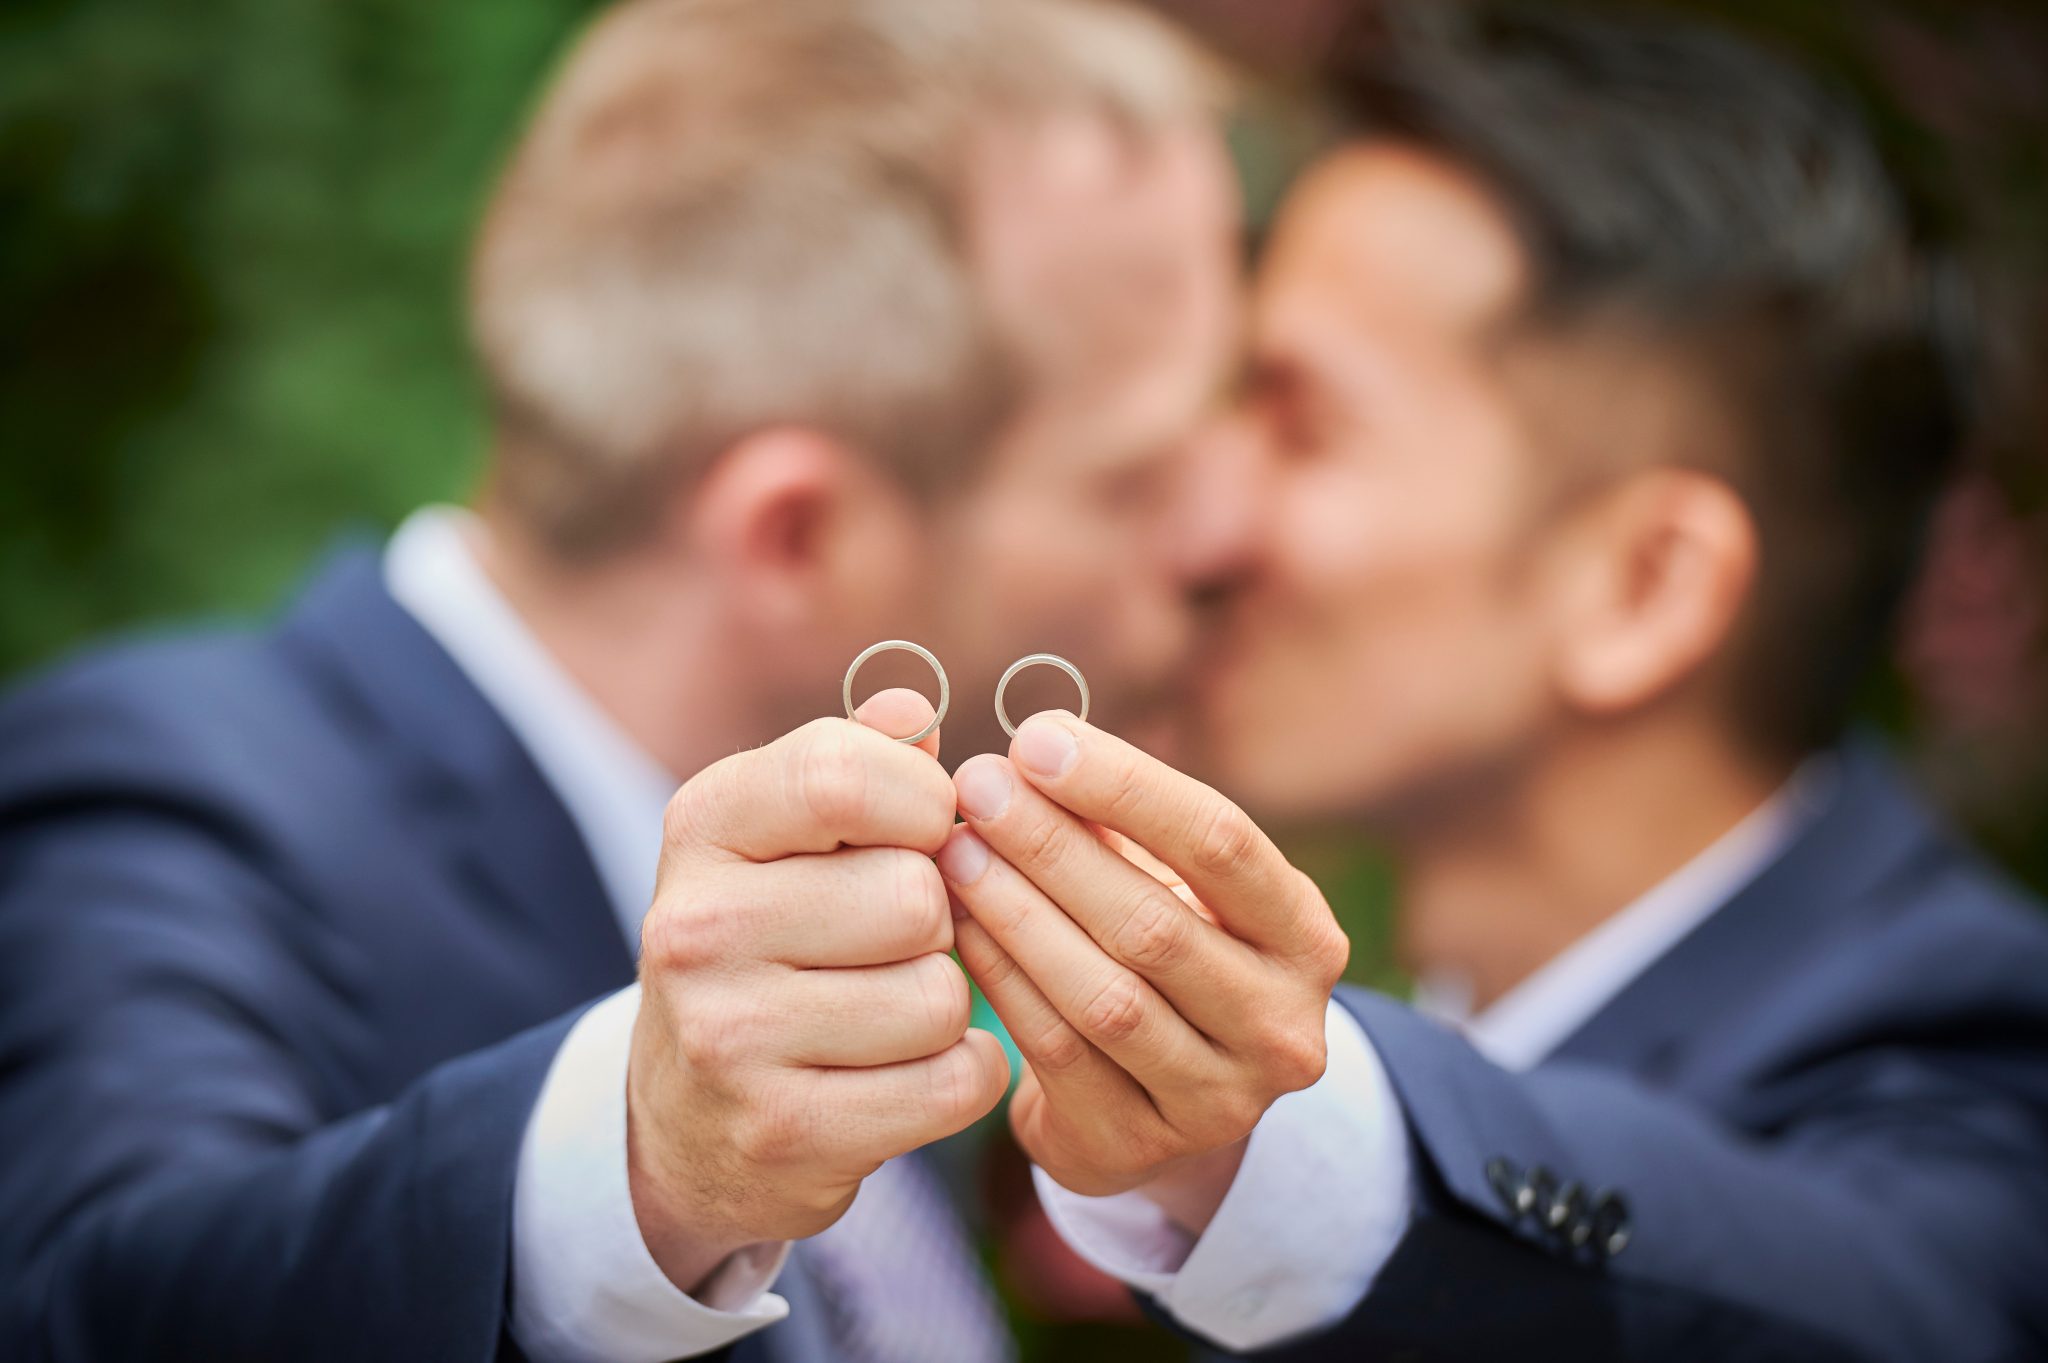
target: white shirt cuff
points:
(1320, 1202)
(584, 1287)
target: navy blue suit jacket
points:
(290, 930)
(1823, 1117)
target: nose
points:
(1223, 509)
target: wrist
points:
(1190, 1191)
(684, 1253)
(684, 1244)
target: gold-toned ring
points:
(1037, 660)
(888, 645)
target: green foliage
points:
(231, 249)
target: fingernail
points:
(1045, 747)
(962, 860)
(984, 789)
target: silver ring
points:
(1037, 660)
(945, 687)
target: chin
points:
(1284, 763)
(1289, 791)
(1164, 737)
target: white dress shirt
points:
(585, 1286)
(1324, 1193)
(1533, 1019)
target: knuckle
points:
(1329, 946)
(937, 808)
(998, 970)
(1041, 842)
(954, 1082)
(677, 938)
(682, 818)
(821, 726)
(1008, 917)
(662, 941)
(1058, 1049)
(1156, 936)
(831, 779)
(1117, 1011)
(1333, 954)
(942, 991)
(719, 1039)
(1295, 1057)
(1228, 843)
(919, 899)
(1123, 793)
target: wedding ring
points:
(1037, 660)
(888, 645)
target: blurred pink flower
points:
(1973, 641)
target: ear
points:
(1658, 571)
(761, 520)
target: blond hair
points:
(730, 215)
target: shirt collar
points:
(1526, 1024)
(613, 790)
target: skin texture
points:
(1520, 665)
(1392, 581)
(1496, 582)
(1091, 527)
(799, 1049)
(1115, 264)
(1088, 528)
(1161, 966)
(1491, 586)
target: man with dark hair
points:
(1677, 194)
(1599, 393)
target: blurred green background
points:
(231, 251)
(232, 236)
(231, 254)
(231, 240)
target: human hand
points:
(1161, 966)
(800, 1021)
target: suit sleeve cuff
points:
(584, 1286)
(1320, 1202)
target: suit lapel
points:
(1870, 829)
(511, 847)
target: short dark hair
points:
(1719, 203)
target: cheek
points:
(1386, 643)
(881, 581)
(1013, 569)
(1374, 559)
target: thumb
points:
(899, 713)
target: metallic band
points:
(887, 645)
(1038, 660)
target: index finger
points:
(1228, 862)
(833, 783)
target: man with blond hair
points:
(804, 324)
